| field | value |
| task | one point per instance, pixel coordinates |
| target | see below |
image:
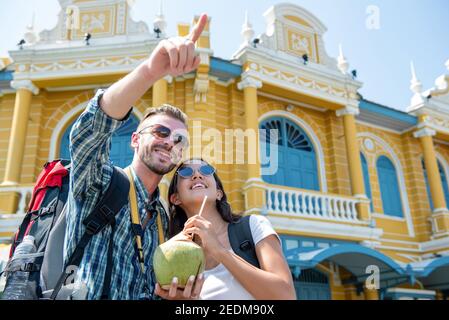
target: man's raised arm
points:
(173, 56)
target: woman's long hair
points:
(177, 215)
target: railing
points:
(25, 195)
(307, 203)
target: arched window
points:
(389, 187)
(297, 164)
(443, 182)
(121, 152)
(366, 180)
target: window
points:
(443, 182)
(366, 180)
(389, 187)
(297, 165)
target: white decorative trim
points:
(291, 102)
(253, 182)
(249, 82)
(424, 132)
(436, 244)
(348, 110)
(55, 139)
(313, 137)
(444, 164)
(78, 88)
(412, 291)
(25, 84)
(321, 228)
(400, 176)
(385, 216)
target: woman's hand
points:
(191, 291)
(182, 236)
(203, 228)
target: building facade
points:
(360, 192)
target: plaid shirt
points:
(90, 144)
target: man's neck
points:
(149, 179)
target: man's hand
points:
(191, 291)
(176, 56)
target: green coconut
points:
(177, 258)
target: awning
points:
(359, 260)
(432, 273)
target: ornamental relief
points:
(301, 81)
(370, 148)
(87, 64)
(96, 22)
(438, 121)
(300, 44)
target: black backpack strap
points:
(109, 264)
(242, 241)
(102, 216)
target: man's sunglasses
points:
(162, 132)
(205, 170)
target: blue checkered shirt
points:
(90, 144)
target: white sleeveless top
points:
(219, 283)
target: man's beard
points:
(153, 164)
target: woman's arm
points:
(272, 281)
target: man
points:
(157, 149)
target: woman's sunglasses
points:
(162, 132)
(205, 170)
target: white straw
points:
(202, 206)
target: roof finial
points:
(161, 5)
(160, 25)
(342, 64)
(30, 35)
(247, 30)
(415, 84)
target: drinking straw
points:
(192, 236)
(202, 206)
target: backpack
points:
(45, 220)
(241, 240)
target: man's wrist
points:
(148, 74)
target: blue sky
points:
(415, 30)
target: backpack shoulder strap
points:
(242, 241)
(102, 216)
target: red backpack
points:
(43, 270)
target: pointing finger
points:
(198, 29)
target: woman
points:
(226, 275)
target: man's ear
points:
(219, 194)
(135, 140)
(174, 199)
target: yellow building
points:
(360, 193)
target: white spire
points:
(447, 64)
(415, 84)
(30, 35)
(159, 22)
(342, 63)
(161, 13)
(247, 30)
